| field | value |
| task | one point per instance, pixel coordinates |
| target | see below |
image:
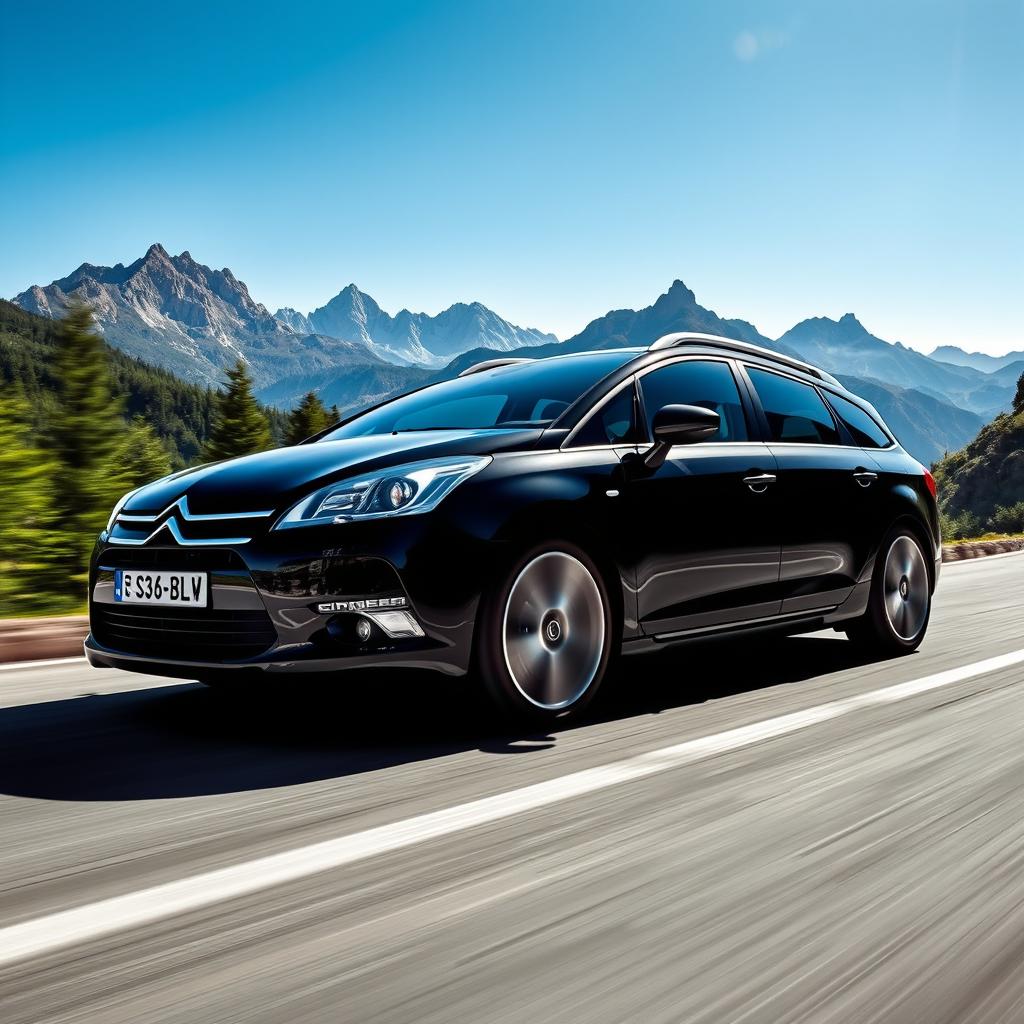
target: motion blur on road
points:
(862, 865)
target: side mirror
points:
(679, 424)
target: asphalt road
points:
(749, 831)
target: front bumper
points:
(267, 599)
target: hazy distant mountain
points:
(977, 360)
(414, 338)
(180, 314)
(676, 310)
(349, 387)
(926, 426)
(845, 346)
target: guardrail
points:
(979, 548)
(34, 639)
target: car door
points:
(825, 488)
(704, 527)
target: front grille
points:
(184, 634)
(176, 558)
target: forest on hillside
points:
(981, 487)
(81, 424)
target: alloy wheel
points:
(553, 630)
(905, 588)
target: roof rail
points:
(493, 364)
(687, 338)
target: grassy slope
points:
(988, 472)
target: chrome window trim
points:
(821, 444)
(592, 411)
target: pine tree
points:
(30, 534)
(240, 426)
(1018, 398)
(84, 435)
(142, 457)
(309, 417)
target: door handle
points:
(758, 482)
(864, 477)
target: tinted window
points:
(866, 432)
(795, 411)
(613, 423)
(530, 394)
(709, 385)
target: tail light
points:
(930, 481)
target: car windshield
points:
(528, 394)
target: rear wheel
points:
(900, 603)
(545, 635)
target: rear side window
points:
(861, 425)
(795, 411)
(709, 385)
(613, 423)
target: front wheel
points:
(900, 603)
(545, 635)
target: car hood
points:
(273, 480)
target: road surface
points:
(751, 831)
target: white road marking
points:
(13, 666)
(80, 924)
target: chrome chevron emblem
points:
(180, 510)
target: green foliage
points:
(960, 527)
(240, 425)
(1007, 518)
(141, 457)
(84, 437)
(1018, 398)
(30, 537)
(985, 479)
(309, 417)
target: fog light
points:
(398, 624)
(363, 629)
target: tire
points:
(900, 602)
(545, 635)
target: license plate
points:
(185, 589)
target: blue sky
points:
(553, 160)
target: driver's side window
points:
(708, 384)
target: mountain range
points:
(412, 338)
(977, 360)
(174, 312)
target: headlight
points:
(117, 508)
(400, 491)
